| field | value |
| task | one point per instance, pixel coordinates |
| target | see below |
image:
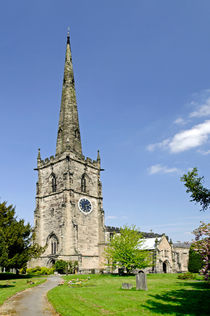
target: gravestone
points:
(141, 281)
(127, 286)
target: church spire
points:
(68, 129)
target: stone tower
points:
(69, 216)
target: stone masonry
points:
(69, 216)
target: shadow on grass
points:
(12, 276)
(182, 302)
(2, 286)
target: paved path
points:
(31, 302)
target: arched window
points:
(54, 185)
(83, 183)
(54, 244)
(53, 247)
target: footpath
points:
(31, 302)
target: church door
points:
(164, 267)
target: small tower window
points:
(83, 184)
(53, 247)
(76, 133)
(54, 185)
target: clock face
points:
(85, 205)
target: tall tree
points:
(16, 239)
(124, 252)
(199, 193)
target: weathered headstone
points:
(141, 281)
(127, 286)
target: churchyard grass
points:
(12, 284)
(102, 295)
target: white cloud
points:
(185, 140)
(203, 109)
(160, 145)
(162, 169)
(204, 152)
(111, 217)
(194, 137)
(179, 121)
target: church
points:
(69, 215)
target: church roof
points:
(149, 243)
(113, 229)
(180, 244)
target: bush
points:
(40, 271)
(195, 263)
(61, 266)
(187, 276)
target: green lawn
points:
(13, 284)
(102, 295)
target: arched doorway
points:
(164, 267)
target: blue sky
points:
(142, 74)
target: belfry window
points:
(53, 247)
(54, 185)
(83, 184)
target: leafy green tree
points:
(17, 244)
(199, 193)
(124, 252)
(195, 261)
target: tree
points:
(202, 246)
(195, 262)
(124, 252)
(17, 244)
(199, 193)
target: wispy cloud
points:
(162, 169)
(190, 138)
(159, 145)
(186, 139)
(111, 217)
(202, 109)
(204, 152)
(180, 121)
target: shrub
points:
(40, 271)
(61, 266)
(195, 263)
(187, 276)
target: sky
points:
(142, 76)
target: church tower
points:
(69, 216)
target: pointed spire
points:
(68, 129)
(38, 157)
(98, 157)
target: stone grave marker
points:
(127, 286)
(141, 281)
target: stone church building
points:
(69, 216)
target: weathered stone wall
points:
(57, 214)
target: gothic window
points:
(37, 188)
(54, 185)
(53, 241)
(83, 183)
